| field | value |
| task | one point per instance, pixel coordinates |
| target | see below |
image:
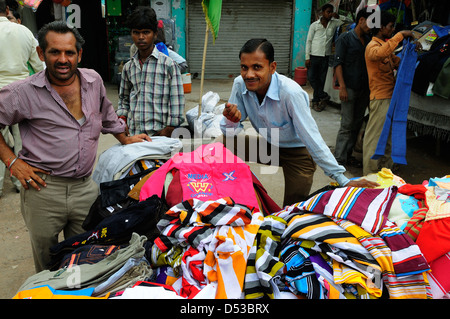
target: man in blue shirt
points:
(278, 108)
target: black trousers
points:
(317, 74)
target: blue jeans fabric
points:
(397, 114)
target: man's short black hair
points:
(16, 14)
(385, 19)
(363, 13)
(253, 45)
(327, 6)
(3, 6)
(143, 18)
(58, 27)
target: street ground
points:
(426, 158)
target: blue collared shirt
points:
(286, 108)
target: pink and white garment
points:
(439, 277)
(208, 173)
(193, 279)
(221, 262)
(218, 236)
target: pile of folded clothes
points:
(201, 225)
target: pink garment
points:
(440, 276)
(210, 172)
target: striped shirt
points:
(151, 98)
(263, 262)
(367, 207)
(218, 236)
(362, 263)
(404, 269)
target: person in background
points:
(61, 112)
(351, 73)
(181, 62)
(381, 63)
(274, 102)
(17, 51)
(318, 50)
(151, 95)
(14, 16)
(160, 43)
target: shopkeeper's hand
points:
(124, 139)
(362, 183)
(232, 113)
(407, 34)
(418, 46)
(27, 176)
(137, 139)
(167, 131)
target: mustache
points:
(58, 64)
(251, 79)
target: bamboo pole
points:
(203, 71)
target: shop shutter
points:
(241, 20)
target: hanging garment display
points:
(396, 117)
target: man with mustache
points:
(151, 96)
(274, 102)
(61, 112)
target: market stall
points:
(429, 111)
(430, 115)
(201, 226)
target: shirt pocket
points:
(385, 66)
(354, 55)
(282, 132)
(330, 32)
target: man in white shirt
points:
(318, 50)
(17, 49)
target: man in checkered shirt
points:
(151, 96)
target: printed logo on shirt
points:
(229, 176)
(93, 236)
(199, 185)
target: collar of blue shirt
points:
(274, 89)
